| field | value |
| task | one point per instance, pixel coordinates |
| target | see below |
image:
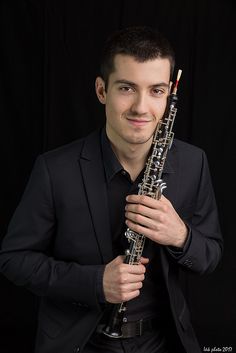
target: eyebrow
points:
(130, 83)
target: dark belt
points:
(135, 328)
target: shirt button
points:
(188, 263)
(76, 350)
(123, 172)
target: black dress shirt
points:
(153, 295)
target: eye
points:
(126, 89)
(158, 92)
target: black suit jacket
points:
(59, 236)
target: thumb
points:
(119, 259)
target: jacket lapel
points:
(95, 185)
(171, 177)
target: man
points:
(66, 241)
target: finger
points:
(131, 287)
(164, 200)
(142, 220)
(136, 269)
(148, 232)
(141, 209)
(128, 296)
(144, 260)
(143, 200)
(131, 278)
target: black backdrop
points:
(49, 59)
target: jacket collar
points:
(92, 149)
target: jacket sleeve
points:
(205, 247)
(25, 256)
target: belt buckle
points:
(132, 329)
(128, 330)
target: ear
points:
(100, 90)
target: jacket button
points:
(76, 350)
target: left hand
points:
(156, 219)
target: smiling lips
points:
(138, 122)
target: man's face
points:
(135, 98)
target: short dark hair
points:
(141, 42)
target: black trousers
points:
(150, 342)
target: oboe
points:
(152, 185)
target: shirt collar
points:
(112, 165)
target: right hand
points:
(122, 282)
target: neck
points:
(132, 157)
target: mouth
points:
(138, 122)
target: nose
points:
(140, 104)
